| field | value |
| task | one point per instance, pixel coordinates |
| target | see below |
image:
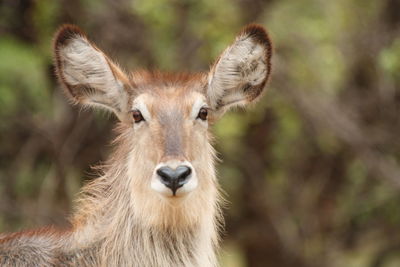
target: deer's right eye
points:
(137, 116)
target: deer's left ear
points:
(242, 71)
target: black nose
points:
(174, 179)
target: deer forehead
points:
(169, 102)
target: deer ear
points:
(89, 77)
(242, 71)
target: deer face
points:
(172, 123)
(165, 117)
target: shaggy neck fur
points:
(121, 227)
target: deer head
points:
(165, 118)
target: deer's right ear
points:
(87, 74)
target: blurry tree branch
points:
(326, 113)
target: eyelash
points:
(203, 113)
(137, 116)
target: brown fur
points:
(120, 218)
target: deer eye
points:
(203, 114)
(137, 116)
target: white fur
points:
(139, 104)
(233, 70)
(83, 64)
(198, 104)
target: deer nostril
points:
(174, 179)
(166, 174)
(182, 172)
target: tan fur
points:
(120, 218)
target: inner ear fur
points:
(241, 72)
(87, 74)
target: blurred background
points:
(320, 183)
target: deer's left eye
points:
(203, 113)
(137, 116)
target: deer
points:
(156, 201)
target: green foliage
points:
(23, 78)
(389, 59)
